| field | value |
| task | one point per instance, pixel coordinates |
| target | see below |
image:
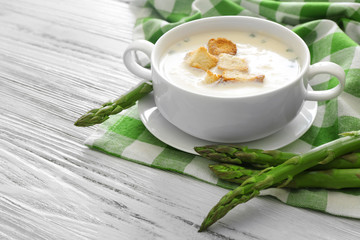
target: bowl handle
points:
(130, 61)
(330, 68)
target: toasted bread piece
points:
(211, 77)
(235, 75)
(201, 58)
(229, 62)
(221, 45)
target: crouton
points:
(235, 75)
(211, 77)
(229, 62)
(221, 45)
(201, 58)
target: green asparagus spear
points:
(99, 115)
(240, 154)
(285, 171)
(330, 179)
(266, 158)
(232, 172)
(351, 160)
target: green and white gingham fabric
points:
(331, 30)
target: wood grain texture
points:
(59, 59)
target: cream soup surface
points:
(265, 55)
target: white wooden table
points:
(59, 59)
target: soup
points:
(269, 64)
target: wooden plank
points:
(58, 60)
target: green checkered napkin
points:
(332, 33)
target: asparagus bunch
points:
(330, 179)
(99, 115)
(261, 159)
(282, 173)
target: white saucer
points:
(171, 135)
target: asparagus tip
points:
(88, 120)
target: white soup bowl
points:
(232, 119)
